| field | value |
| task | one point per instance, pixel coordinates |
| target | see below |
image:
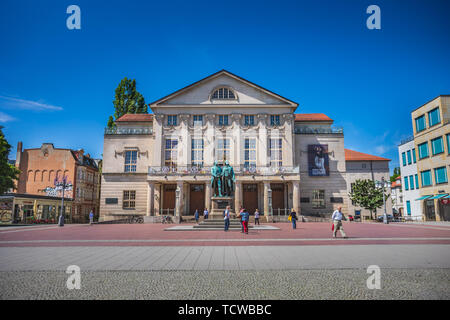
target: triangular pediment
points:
(246, 93)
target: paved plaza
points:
(146, 262)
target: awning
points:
(424, 197)
(447, 197)
(439, 196)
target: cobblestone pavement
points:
(288, 284)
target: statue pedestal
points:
(219, 204)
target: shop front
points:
(29, 209)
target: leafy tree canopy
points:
(127, 100)
(8, 172)
(366, 195)
(395, 174)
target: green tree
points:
(127, 100)
(8, 172)
(395, 174)
(366, 195)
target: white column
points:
(150, 191)
(238, 196)
(296, 196)
(289, 146)
(158, 144)
(183, 141)
(266, 198)
(262, 141)
(207, 196)
(209, 140)
(180, 201)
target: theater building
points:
(160, 163)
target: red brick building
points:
(40, 166)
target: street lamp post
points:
(383, 184)
(62, 185)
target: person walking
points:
(226, 218)
(245, 216)
(337, 222)
(91, 217)
(205, 214)
(196, 215)
(256, 217)
(293, 216)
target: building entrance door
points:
(444, 209)
(169, 198)
(277, 198)
(429, 210)
(196, 198)
(250, 198)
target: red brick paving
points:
(369, 233)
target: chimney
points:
(19, 153)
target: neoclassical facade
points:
(160, 163)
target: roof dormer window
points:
(223, 94)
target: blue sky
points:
(57, 85)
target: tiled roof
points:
(396, 184)
(312, 117)
(136, 117)
(351, 155)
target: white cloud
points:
(5, 118)
(16, 103)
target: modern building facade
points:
(40, 166)
(431, 127)
(160, 163)
(412, 208)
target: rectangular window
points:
(411, 182)
(404, 158)
(170, 153)
(420, 124)
(274, 120)
(172, 120)
(408, 207)
(437, 146)
(406, 183)
(249, 120)
(197, 152)
(408, 153)
(423, 150)
(426, 178)
(223, 150)
(130, 160)
(250, 152)
(416, 177)
(448, 143)
(318, 200)
(223, 120)
(276, 152)
(414, 155)
(440, 175)
(198, 120)
(434, 117)
(129, 199)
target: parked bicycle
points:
(167, 219)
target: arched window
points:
(223, 94)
